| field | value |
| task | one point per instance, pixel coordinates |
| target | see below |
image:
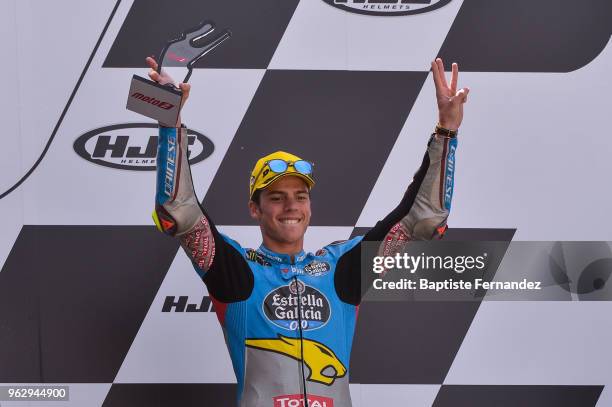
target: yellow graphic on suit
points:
(317, 356)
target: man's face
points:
(283, 212)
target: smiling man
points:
(280, 200)
(289, 316)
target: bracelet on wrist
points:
(444, 132)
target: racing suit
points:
(289, 322)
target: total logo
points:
(297, 400)
(133, 146)
(288, 304)
(387, 7)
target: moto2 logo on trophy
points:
(133, 146)
(387, 7)
(152, 100)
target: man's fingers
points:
(461, 96)
(151, 62)
(466, 91)
(454, 77)
(154, 76)
(185, 87)
(441, 71)
(436, 76)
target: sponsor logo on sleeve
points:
(449, 174)
(281, 307)
(200, 244)
(387, 7)
(170, 166)
(394, 240)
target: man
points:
(288, 316)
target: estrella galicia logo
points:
(317, 268)
(281, 307)
(133, 146)
(387, 7)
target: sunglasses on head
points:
(279, 166)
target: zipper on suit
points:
(297, 290)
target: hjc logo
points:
(182, 305)
(120, 147)
(110, 146)
(387, 7)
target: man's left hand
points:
(450, 101)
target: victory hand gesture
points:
(450, 101)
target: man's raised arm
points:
(217, 259)
(177, 210)
(422, 213)
(424, 209)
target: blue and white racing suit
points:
(289, 323)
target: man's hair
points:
(256, 197)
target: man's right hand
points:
(164, 79)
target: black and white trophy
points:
(163, 102)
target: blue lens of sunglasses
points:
(278, 166)
(303, 167)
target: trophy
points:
(163, 102)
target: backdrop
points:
(91, 296)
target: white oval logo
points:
(133, 146)
(285, 307)
(387, 7)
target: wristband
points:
(441, 131)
